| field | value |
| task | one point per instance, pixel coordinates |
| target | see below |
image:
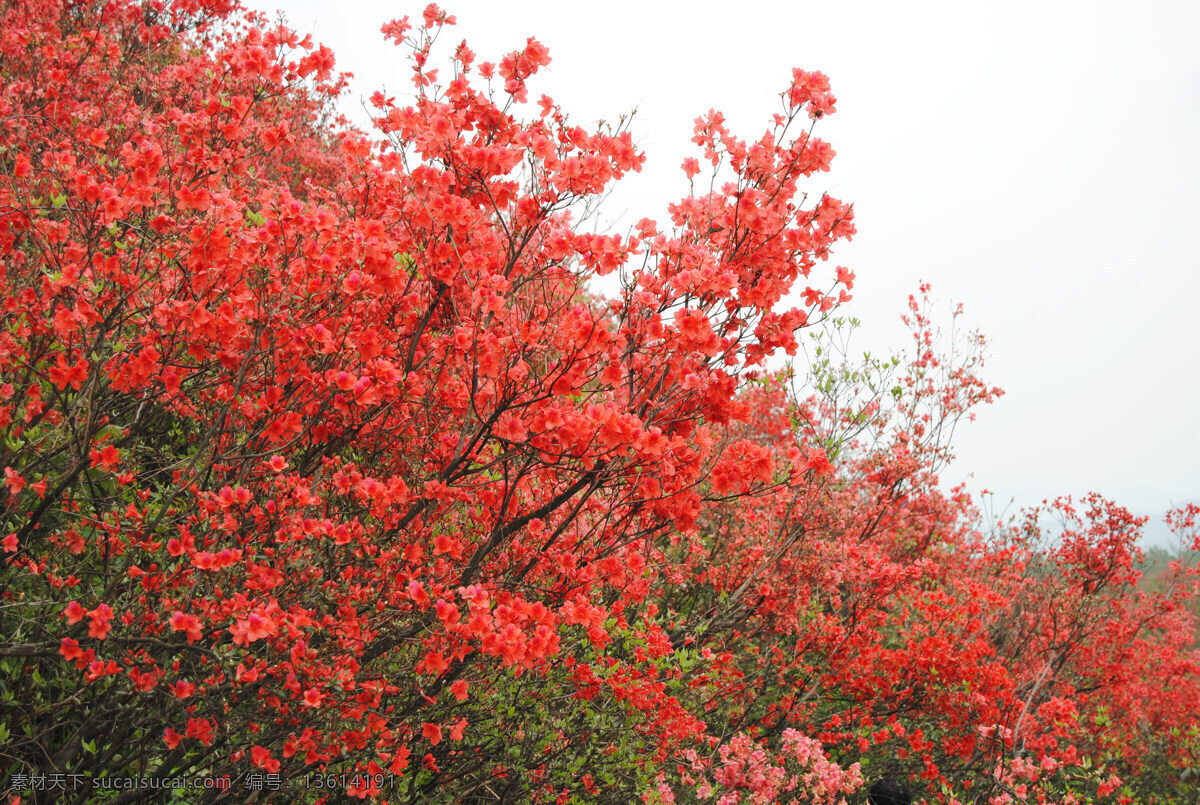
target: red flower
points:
(100, 617)
(400, 761)
(182, 689)
(432, 733)
(818, 462)
(73, 612)
(200, 729)
(107, 459)
(261, 757)
(254, 626)
(73, 375)
(446, 544)
(14, 481)
(433, 663)
(510, 428)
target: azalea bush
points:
(325, 460)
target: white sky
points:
(1033, 160)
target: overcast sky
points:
(1035, 161)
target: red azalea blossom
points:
(70, 649)
(432, 733)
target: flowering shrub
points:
(321, 457)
